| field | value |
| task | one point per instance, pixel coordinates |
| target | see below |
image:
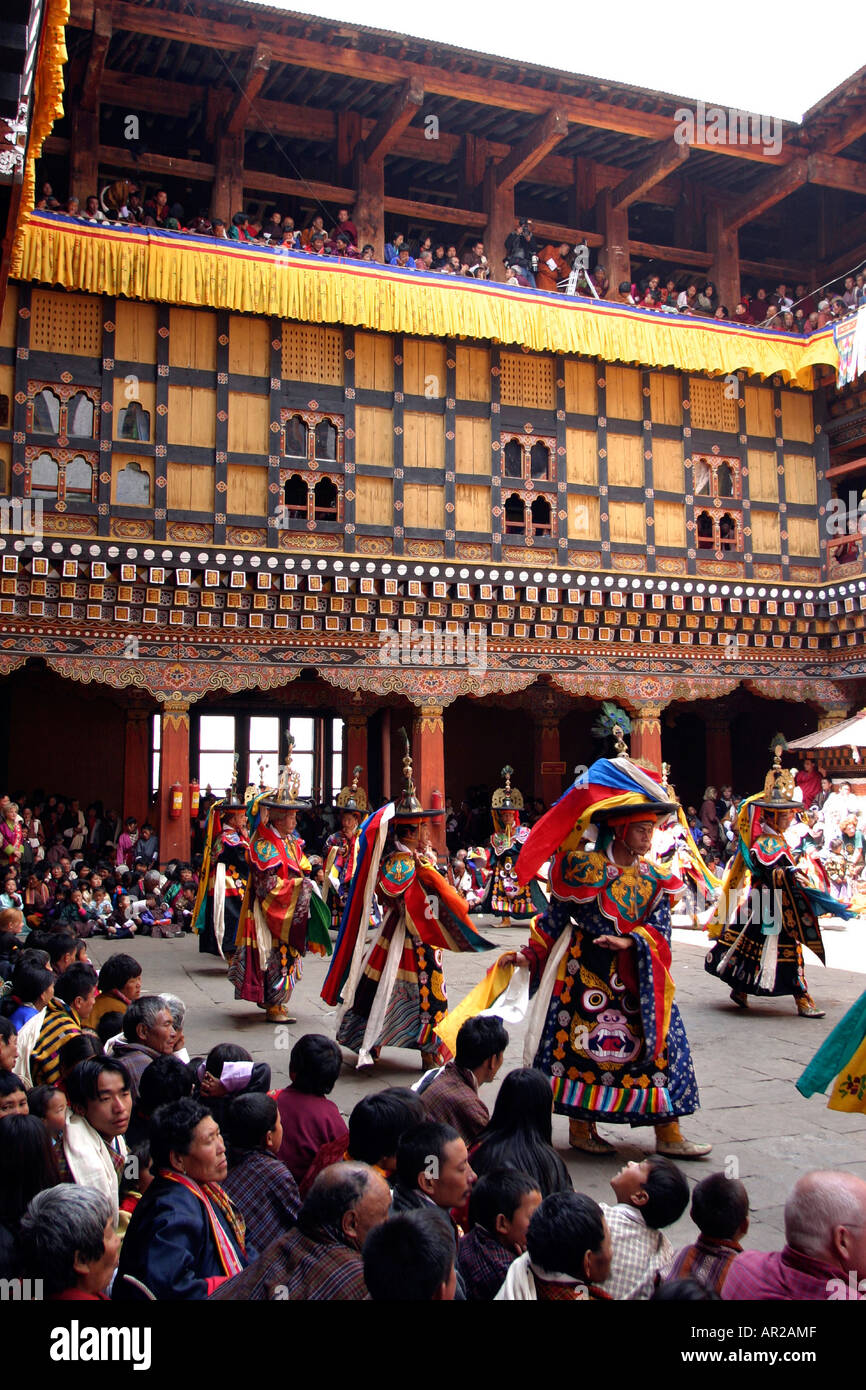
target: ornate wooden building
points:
(242, 486)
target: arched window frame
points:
(65, 392)
(311, 470)
(526, 443)
(62, 458)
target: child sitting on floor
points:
(650, 1195)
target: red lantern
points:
(175, 810)
(194, 794)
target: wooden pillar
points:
(549, 767)
(84, 154)
(429, 770)
(174, 835)
(355, 752)
(228, 184)
(612, 224)
(646, 735)
(136, 760)
(724, 246)
(472, 160)
(834, 714)
(720, 769)
(349, 134)
(369, 215)
(499, 206)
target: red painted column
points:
(136, 760)
(549, 768)
(646, 736)
(429, 743)
(174, 835)
(355, 753)
(720, 770)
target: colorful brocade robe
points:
(228, 869)
(278, 921)
(402, 978)
(341, 853)
(760, 951)
(604, 1026)
(504, 896)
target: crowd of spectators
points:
(531, 262)
(130, 1170)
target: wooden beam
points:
(613, 224)
(782, 270)
(150, 94)
(375, 67)
(526, 155)
(436, 212)
(681, 255)
(125, 163)
(832, 172)
(850, 130)
(257, 71)
(297, 188)
(83, 154)
(401, 111)
(723, 243)
(770, 191)
(101, 38)
(663, 161)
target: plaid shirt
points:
(298, 1268)
(452, 1099)
(708, 1261)
(483, 1261)
(266, 1195)
(640, 1254)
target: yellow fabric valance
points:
(47, 95)
(176, 268)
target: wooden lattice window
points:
(312, 437)
(134, 422)
(713, 406)
(307, 500)
(64, 474)
(717, 477)
(525, 517)
(721, 532)
(133, 486)
(66, 323)
(312, 354)
(528, 457)
(526, 381)
(68, 412)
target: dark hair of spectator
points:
(499, 1192)
(418, 1146)
(684, 1291)
(409, 1258)
(10, 1083)
(222, 1053)
(520, 1132)
(118, 971)
(720, 1206)
(314, 1064)
(566, 1228)
(165, 1080)
(39, 1099)
(78, 1049)
(109, 1026)
(479, 1040)
(76, 982)
(27, 1164)
(667, 1193)
(82, 1083)
(7, 1030)
(249, 1121)
(28, 982)
(172, 1128)
(377, 1122)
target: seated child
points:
(48, 1104)
(720, 1210)
(500, 1209)
(309, 1119)
(650, 1195)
